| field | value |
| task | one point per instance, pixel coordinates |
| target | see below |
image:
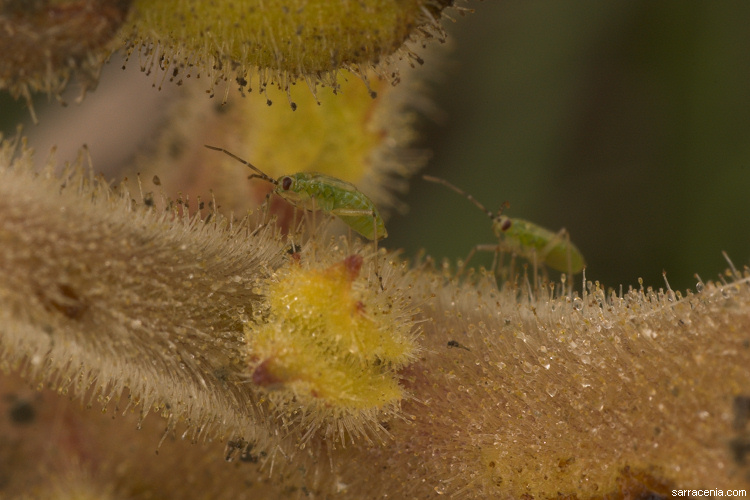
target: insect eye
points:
(505, 225)
(286, 183)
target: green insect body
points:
(530, 240)
(525, 238)
(313, 191)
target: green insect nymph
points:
(525, 238)
(313, 191)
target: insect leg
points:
(466, 261)
(314, 229)
(349, 212)
(344, 212)
(487, 247)
(373, 215)
(375, 243)
(267, 207)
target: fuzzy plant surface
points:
(164, 345)
(298, 368)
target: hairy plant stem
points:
(516, 391)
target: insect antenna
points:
(259, 174)
(463, 193)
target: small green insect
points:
(525, 238)
(313, 191)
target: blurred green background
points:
(626, 122)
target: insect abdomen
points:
(529, 240)
(367, 222)
(346, 202)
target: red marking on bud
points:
(359, 307)
(353, 264)
(263, 377)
